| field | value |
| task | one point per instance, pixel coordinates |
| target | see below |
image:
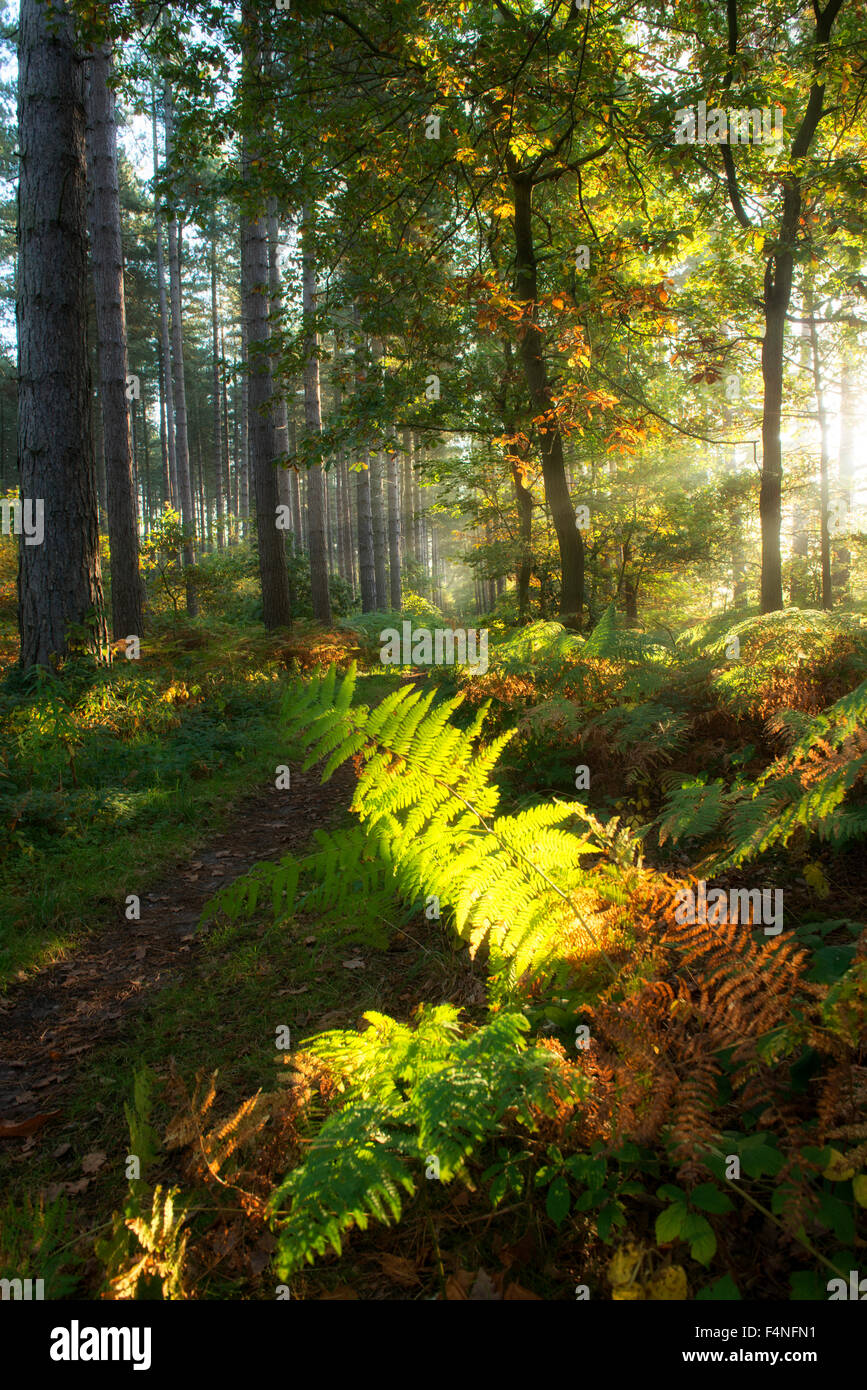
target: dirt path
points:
(52, 1021)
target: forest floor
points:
(152, 1038)
(160, 994)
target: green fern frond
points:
(412, 1099)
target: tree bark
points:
(281, 412)
(107, 255)
(377, 512)
(316, 518)
(394, 531)
(216, 396)
(182, 447)
(569, 538)
(262, 435)
(165, 348)
(59, 579)
(407, 529)
(242, 463)
(824, 459)
(845, 469)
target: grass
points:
(245, 982)
(111, 775)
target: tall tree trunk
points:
(294, 476)
(777, 297)
(518, 466)
(824, 458)
(569, 538)
(215, 393)
(165, 348)
(262, 435)
(147, 472)
(377, 512)
(242, 463)
(281, 411)
(164, 444)
(393, 467)
(339, 484)
(407, 530)
(59, 579)
(366, 569)
(107, 255)
(417, 517)
(182, 447)
(350, 548)
(226, 472)
(316, 517)
(845, 468)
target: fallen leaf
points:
(398, 1269)
(61, 1150)
(53, 1191)
(353, 965)
(141, 952)
(76, 1188)
(12, 1130)
(91, 1163)
(483, 1290)
(517, 1291)
(458, 1285)
(343, 1291)
(24, 1098)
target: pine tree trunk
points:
(348, 538)
(262, 434)
(824, 459)
(242, 464)
(182, 447)
(59, 579)
(377, 513)
(281, 411)
(845, 468)
(165, 348)
(226, 464)
(215, 393)
(316, 516)
(293, 475)
(394, 531)
(407, 530)
(417, 517)
(366, 569)
(107, 256)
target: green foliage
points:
(425, 790)
(413, 1100)
(143, 1255)
(347, 878)
(816, 788)
(35, 1244)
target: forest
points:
(433, 653)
